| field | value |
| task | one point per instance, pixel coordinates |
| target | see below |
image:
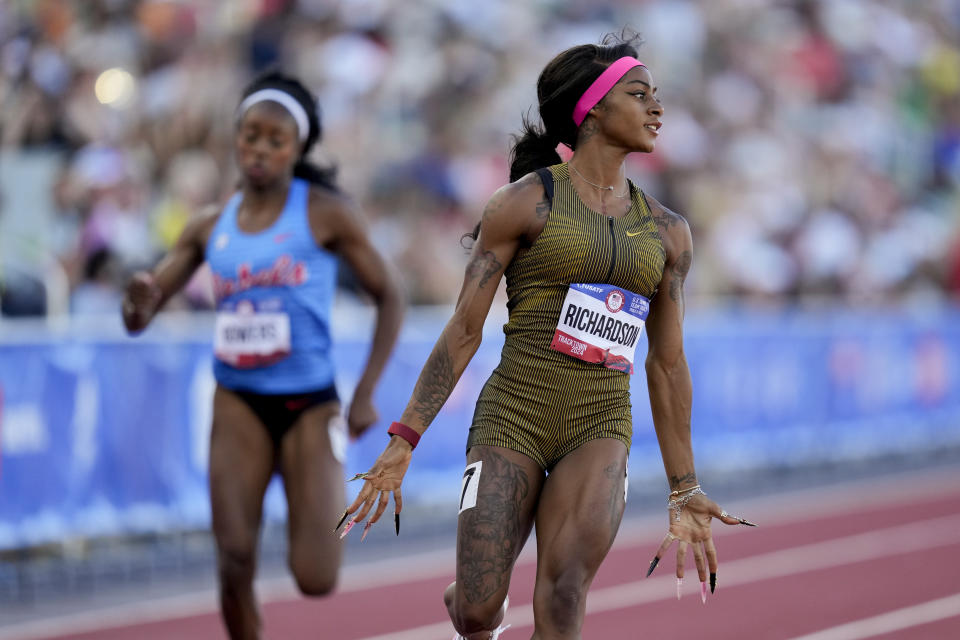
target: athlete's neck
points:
(601, 165)
(265, 198)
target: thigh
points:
(241, 464)
(580, 509)
(492, 529)
(313, 482)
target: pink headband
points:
(595, 92)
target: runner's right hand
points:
(140, 303)
(383, 478)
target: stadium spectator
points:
(812, 144)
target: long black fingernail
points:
(396, 521)
(749, 524)
(713, 582)
(340, 522)
(653, 565)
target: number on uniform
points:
(626, 482)
(468, 490)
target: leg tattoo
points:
(493, 531)
(615, 473)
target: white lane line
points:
(784, 508)
(167, 608)
(905, 618)
(880, 543)
(382, 573)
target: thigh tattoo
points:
(618, 491)
(492, 532)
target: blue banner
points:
(106, 436)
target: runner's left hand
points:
(693, 530)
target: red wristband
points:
(405, 432)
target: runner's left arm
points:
(353, 244)
(668, 375)
(671, 395)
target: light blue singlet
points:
(274, 292)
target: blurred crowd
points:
(813, 146)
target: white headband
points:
(284, 99)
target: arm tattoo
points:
(492, 207)
(679, 273)
(436, 382)
(676, 481)
(543, 207)
(483, 265)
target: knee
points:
(563, 600)
(236, 566)
(565, 604)
(315, 584)
(314, 578)
(449, 594)
(470, 617)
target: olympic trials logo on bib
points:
(615, 301)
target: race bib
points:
(601, 323)
(247, 338)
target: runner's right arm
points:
(148, 291)
(511, 219)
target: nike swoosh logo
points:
(635, 233)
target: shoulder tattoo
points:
(666, 218)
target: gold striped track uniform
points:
(539, 401)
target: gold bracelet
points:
(679, 491)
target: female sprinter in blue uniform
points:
(589, 261)
(273, 250)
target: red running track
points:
(870, 560)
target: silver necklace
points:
(599, 186)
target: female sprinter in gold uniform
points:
(589, 259)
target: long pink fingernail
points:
(679, 587)
(347, 528)
(703, 592)
(366, 528)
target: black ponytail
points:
(304, 169)
(315, 174)
(534, 148)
